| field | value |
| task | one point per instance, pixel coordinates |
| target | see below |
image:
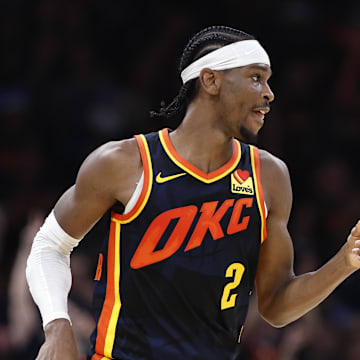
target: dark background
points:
(76, 74)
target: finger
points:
(356, 229)
(355, 260)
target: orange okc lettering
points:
(145, 254)
(234, 225)
(209, 220)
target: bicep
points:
(82, 205)
(275, 267)
(77, 214)
(108, 175)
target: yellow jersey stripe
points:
(259, 197)
(110, 334)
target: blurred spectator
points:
(25, 329)
(24, 320)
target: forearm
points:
(59, 342)
(302, 293)
(48, 270)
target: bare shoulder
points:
(115, 158)
(115, 154)
(112, 170)
(275, 179)
(107, 176)
(272, 165)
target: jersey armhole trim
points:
(147, 185)
(255, 163)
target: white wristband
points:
(48, 270)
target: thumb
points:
(355, 231)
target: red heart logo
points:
(241, 175)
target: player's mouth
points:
(261, 112)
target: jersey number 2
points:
(235, 271)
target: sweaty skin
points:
(226, 102)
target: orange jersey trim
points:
(147, 185)
(106, 327)
(99, 357)
(99, 267)
(193, 170)
(255, 162)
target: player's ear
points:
(210, 81)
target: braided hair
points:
(202, 43)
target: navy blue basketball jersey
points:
(175, 276)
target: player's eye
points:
(256, 77)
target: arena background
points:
(75, 74)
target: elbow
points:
(277, 319)
(277, 323)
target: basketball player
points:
(203, 216)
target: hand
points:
(353, 246)
(59, 342)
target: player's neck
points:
(202, 143)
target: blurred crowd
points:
(75, 74)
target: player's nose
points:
(268, 94)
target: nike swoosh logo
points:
(160, 179)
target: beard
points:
(247, 136)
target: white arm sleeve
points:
(48, 270)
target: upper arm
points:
(107, 175)
(275, 267)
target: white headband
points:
(237, 54)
